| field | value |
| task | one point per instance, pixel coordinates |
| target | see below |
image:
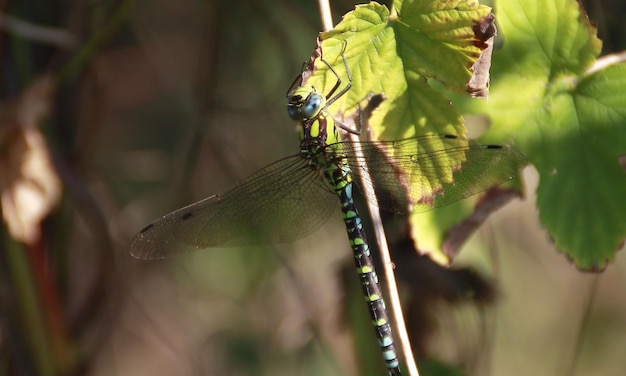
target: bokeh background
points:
(157, 104)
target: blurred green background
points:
(173, 101)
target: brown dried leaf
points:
(484, 32)
(29, 185)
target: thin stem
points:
(37, 33)
(29, 307)
(117, 20)
(605, 61)
(327, 18)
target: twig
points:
(43, 34)
(605, 61)
(327, 18)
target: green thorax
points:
(317, 128)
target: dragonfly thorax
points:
(305, 103)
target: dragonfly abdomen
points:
(340, 178)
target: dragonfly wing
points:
(485, 167)
(279, 203)
(422, 173)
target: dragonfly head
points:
(305, 103)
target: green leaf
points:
(571, 124)
(395, 53)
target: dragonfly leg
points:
(329, 97)
(297, 81)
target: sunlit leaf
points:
(570, 123)
(394, 53)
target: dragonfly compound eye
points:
(312, 105)
(294, 112)
(305, 103)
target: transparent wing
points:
(280, 203)
(426, 172)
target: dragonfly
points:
(292, 197)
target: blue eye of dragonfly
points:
(305, 103)
(313, 105)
